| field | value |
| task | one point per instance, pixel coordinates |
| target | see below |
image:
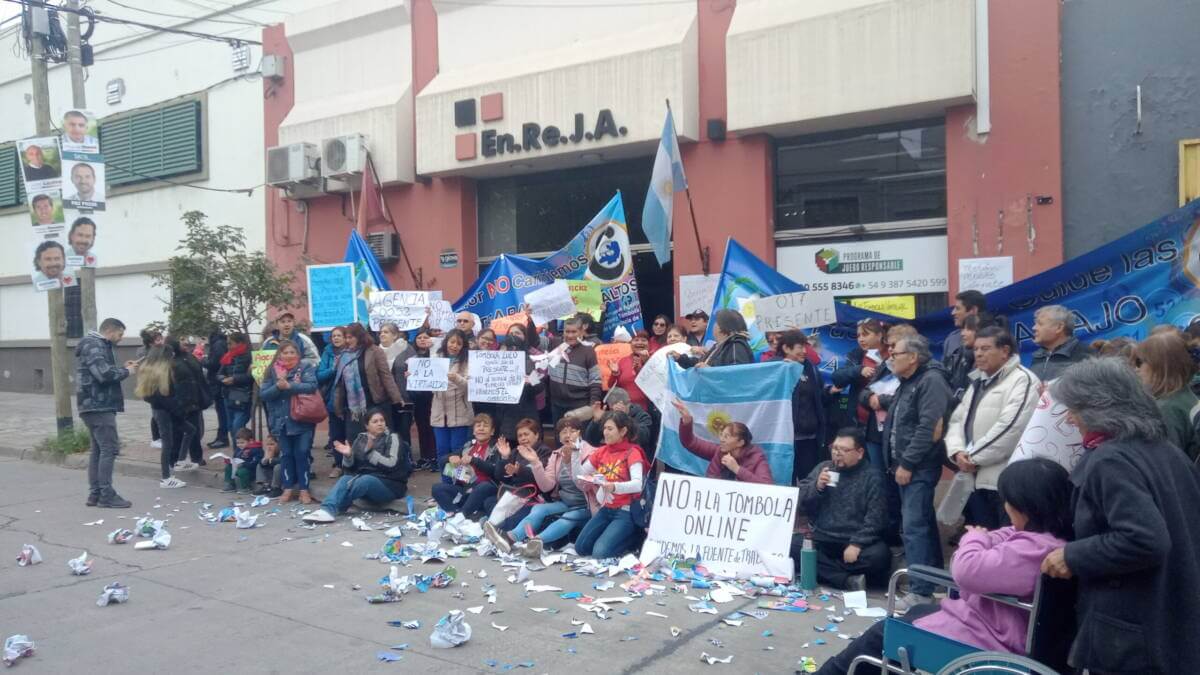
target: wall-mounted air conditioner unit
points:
(343, 156)
(292, 165)
(385, 246)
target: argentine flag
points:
(758, 395)
(666, 179)
(368, 276)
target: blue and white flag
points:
(666, 179)
(368, 276)
(758, 395)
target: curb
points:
(122, 467)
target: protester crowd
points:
(871, 444)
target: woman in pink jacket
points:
(1007, 561)
(734, 458)
(573, 502)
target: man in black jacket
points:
(217, 346)
(912, 437)
(1058, 349)
(98, 401)
(848, 517)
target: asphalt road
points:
(228, 600)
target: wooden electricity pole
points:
(60, 361)
(86, 275)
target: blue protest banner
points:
(368, 276)
(332, 300)
(599, 252)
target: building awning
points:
(591, 101)
(353, 75)
(797, 67)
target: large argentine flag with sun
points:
(758, 395)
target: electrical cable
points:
(129, 22)
(189, 18)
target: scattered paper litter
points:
(95, 522)
(475, 610)
(245, 519)
(113, 594)
(732, 622)
(586, 629)
(388, 657)
(870, 612)
(675, 631)
(330, 586)
(450, 631)
(531, 587)
(394, 531)
(361, 525)
(661, 616)
(17, 646)
(855, 599)
(347, 544)
(499, 628)
(539, 610)
(81, 565)
(29, 555)
(711, 660)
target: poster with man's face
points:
(81, 242)
(83, 185)
(40, 163)
(50, 268)
(46, 211)
(80, 132)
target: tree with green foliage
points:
(215, 283)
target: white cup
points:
(834, 477)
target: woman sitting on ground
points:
(375, 468)
(469, 493)
(567, 495)
(616, 472)
(735, 457)
(512, 470)
(1007, 561)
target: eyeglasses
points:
(835, 450)
(895, 353)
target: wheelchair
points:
(908, 649)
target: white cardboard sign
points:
(985, 274)
(794, 311)
(441, 314)
(550, 302)
(652, 378)
(428, 374)
(496, 377)
(406, 309)
(696, 291)
(738, 529)
(1050, 434)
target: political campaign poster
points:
(331, 295)
(80, 132)
(737, 529)
(496, 377)
(428, 374)
(83, 182)
(41, 163)
(794, 311)
(81, 242)
(50, 269)
(46, 212)
(406, 309)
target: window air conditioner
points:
(290, 165)
(343, 156)
(385, 246)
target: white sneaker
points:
(185, 466)
(910, 600)
(493, 535)
(171, 482)
(319, 516)
(157, 445)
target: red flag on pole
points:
(370, 207)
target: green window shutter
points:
(10, 176)
(153, 144)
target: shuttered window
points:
(150, 144)
(12, 192)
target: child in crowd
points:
(270, 474)
(250, 451)
(1007, 561)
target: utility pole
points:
(60, 362)
(87, 275)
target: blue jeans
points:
(237, 416)
(918, 529)
(348, 488)
(875, 456)
(449, 441)
(607, 535)
(293, 457)
(570, 518)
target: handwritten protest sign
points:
(738, 529)
(794, 311)
(585, 294)
(609, 355)
(903, 306)
(429, 374)
(501, 325)
(406, 309)
(331, 298)
(1050, 434)
(550, 302)
(652, 379)
(496, 377)
(441, 314)
(258, 363)
(985, 274)
(696, 292)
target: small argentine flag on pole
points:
(666, 179)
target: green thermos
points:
(808, 566)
